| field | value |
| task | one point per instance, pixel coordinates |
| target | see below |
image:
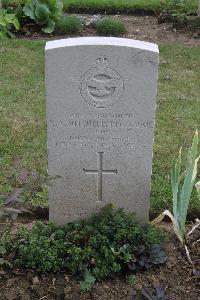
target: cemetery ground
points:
(24, 160)
(138, 27)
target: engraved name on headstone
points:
(100, 100)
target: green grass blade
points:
(175, 182)
(189, 181)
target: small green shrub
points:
(4, 239)
(44, 12)
(87, 282)
(132, 280)
(176, 11)
(109, 26)
(105, 244)
(68, 25)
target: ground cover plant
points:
(32, 14)
(106, 244)
(110, 27)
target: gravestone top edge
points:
(101, 41)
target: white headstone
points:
(101, 96)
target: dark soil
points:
(146, 28)
(177, 277)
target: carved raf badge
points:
(101, 86)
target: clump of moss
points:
(110, 27)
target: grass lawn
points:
(110, 5)
(22, 106)
(121, 5)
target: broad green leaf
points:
(9, 18)
(42, 13)
(51, 3)
(29, 10)
(49, 28)
(2, 20)
(57, 11)
(10, 34)
(3, 35)
(15, 22)
(19, 12)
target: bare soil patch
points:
(144, 28)
(148, 28)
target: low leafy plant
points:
(106, 244)
(182, 186)
(19, 13)
(3, 251)
(68, 25)
(146, 256)
(3, 261)
(175, 11)
(45, 13)
(132, 280)
(87, 282)
(8, 22)
(149, 293)
(109, 26)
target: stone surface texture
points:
(100, 100)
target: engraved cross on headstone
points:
(100, 173)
